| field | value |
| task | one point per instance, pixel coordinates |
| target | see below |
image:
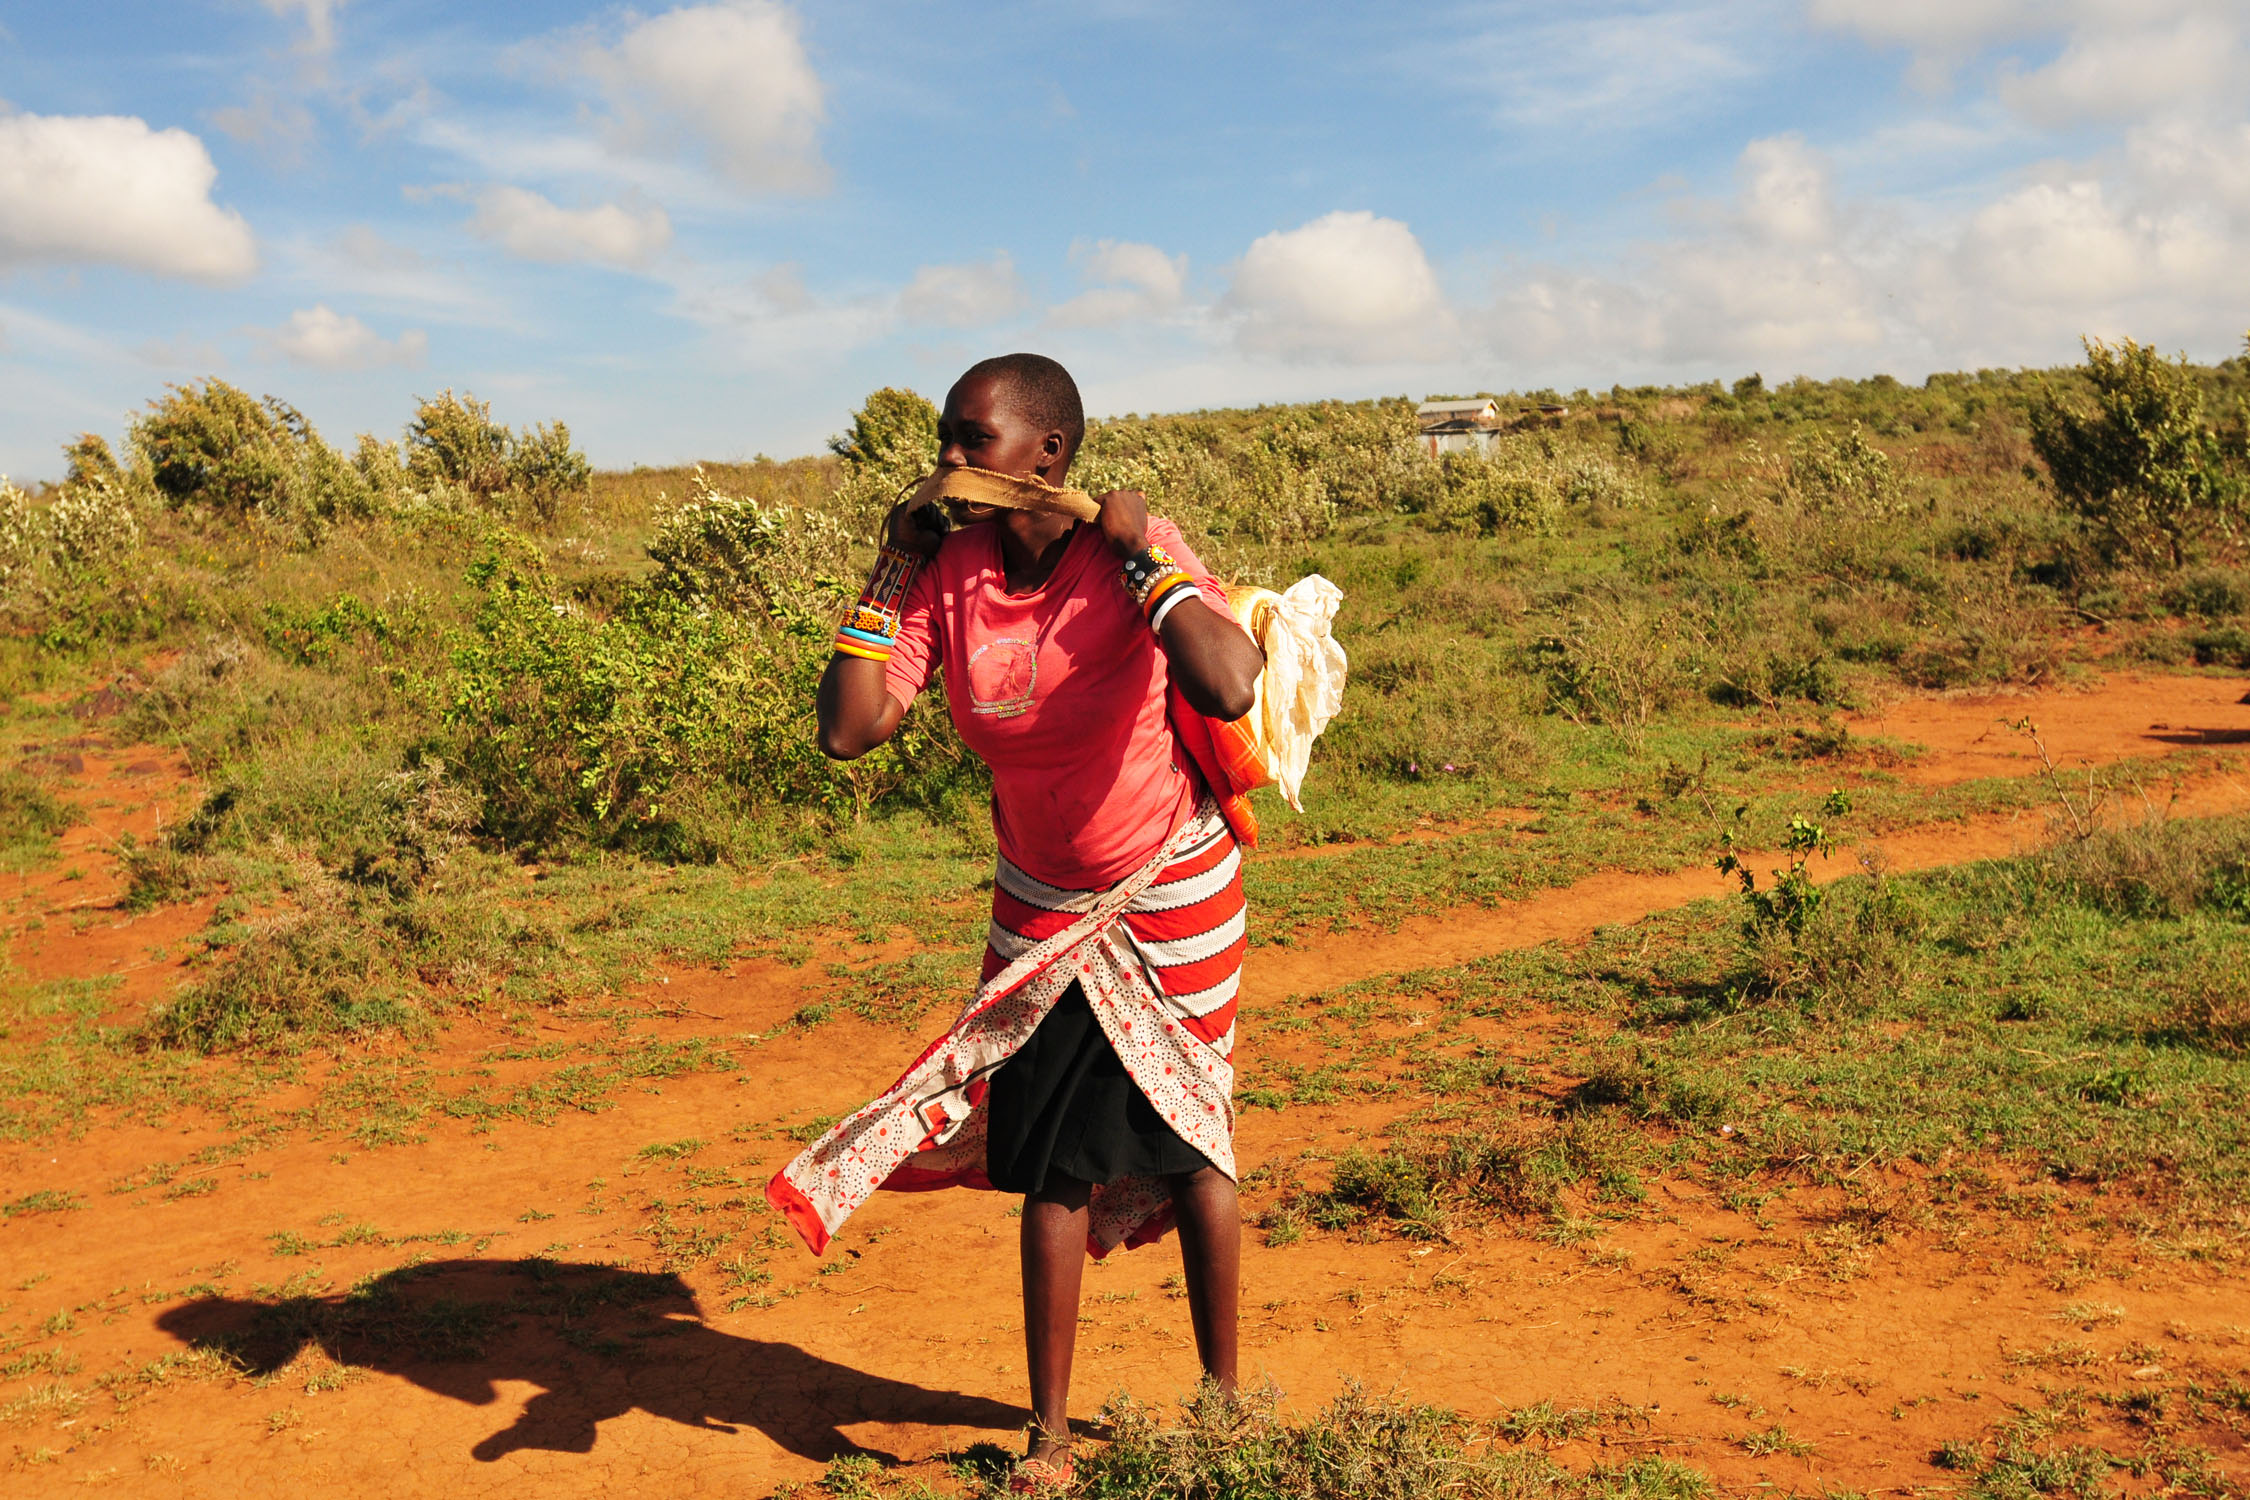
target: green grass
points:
(2043, 1013)
(1359, 1445)
(31, 818)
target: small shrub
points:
(31, 816)
(892, 442)
(2209, 593)
(770, 562)
(90, 524)
(1617, 663)
(453, 440)
(2213, 1016)
(546, 470)
(2140, 463)
(2226, 646)
(213, 447)
(1846, 476)
(1509, 489)
(2156, 868)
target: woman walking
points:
(1090, 1071)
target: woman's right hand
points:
(919, 530)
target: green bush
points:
(1618, 662)
(70, 572)
(453, 443)
(768, 562)
(213, 447)
(892, 442)
(2138, 460)
(1845, 475)
(453, 440)
(636, 728)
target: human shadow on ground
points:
(2202, 736)
(600, 1342)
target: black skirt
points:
(1064, 1106)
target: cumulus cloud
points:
(971, 294)
(107, 188)
(1348, 286)
(1772, 274)
(527, 224)
(732, 78)
(2106, 74)
(1941, 27)
(329, 340)
(1127, 282)
(2116, 58)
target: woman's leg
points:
(1054, 1264)
(1211, 1254)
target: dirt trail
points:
(906, 1342)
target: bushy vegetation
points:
(590, 668)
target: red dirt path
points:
(1901, 1337)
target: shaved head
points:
(1037, 389)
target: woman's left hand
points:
(1124, 521)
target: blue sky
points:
(707, 230)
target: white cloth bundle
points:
(1303, 683)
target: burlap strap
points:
(983, 487)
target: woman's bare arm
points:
(1211, 657)
(857, 712)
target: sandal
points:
(1043, 1476)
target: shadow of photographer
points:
(600, 1342)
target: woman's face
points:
(980, 428)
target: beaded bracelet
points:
(1145, 569)
(870, 627)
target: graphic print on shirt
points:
(1003, 673)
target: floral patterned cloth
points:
(1160, 957)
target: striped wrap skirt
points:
(1159, 958)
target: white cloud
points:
(733, 77)
(1127, 282)
(2106, 74)
(282, 128)
(525, 223)
(1939, 27)
(1774, 274)
(1347, 286)
(1587, 67)
(106, 188)
(971, 294)
(330, 340)
(2116, 58)
(2067, 246)
(320, 21)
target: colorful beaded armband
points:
(1145, 569)
(870, 627)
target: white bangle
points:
(1164, 606)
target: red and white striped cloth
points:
(1160, 957)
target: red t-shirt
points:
(1062, 692)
